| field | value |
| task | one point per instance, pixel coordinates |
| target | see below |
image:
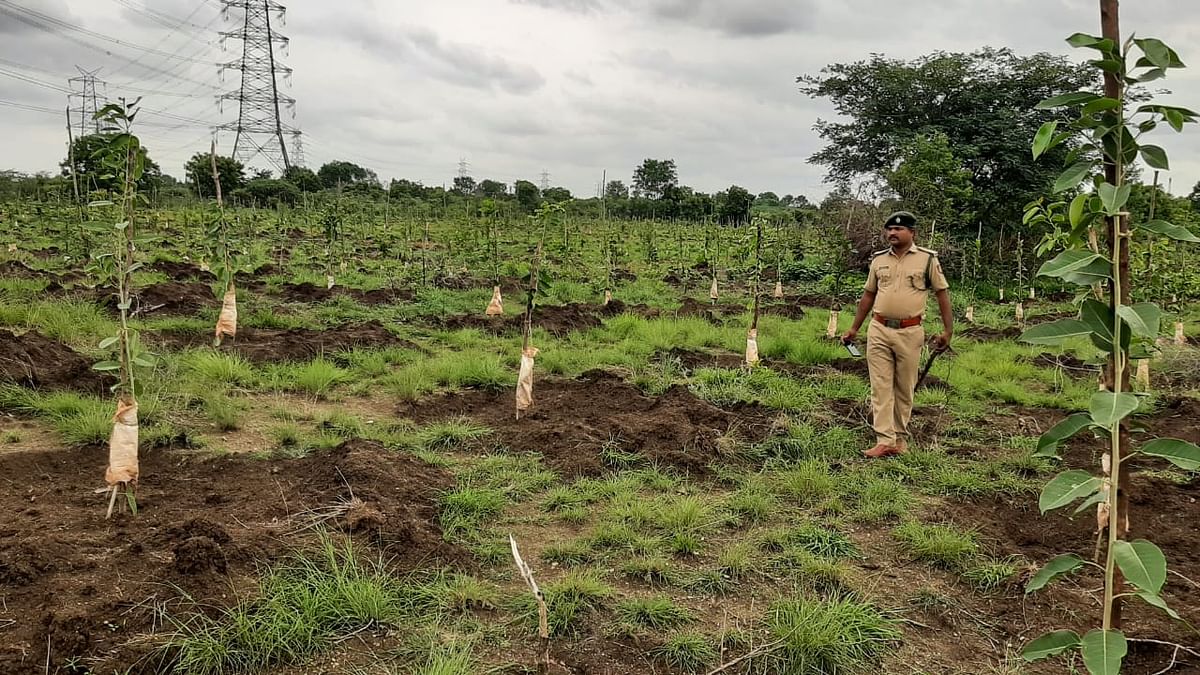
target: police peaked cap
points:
(903, 218)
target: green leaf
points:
(1143, 318)
(1054, 332)
(1102, 651)
(1073, 175)
(1050, 644)
(1155, 157)
(1065, 488)
(1155, 600)
(1085, 40)
(1041, 140)
(1075, 212)
(1100, 105)
(1143, 564)
(1113, 197)
(143, 361)
(1073, 98)
(1090, 502)
(1048, 442)
(108, 342)
(1180, 453)
(1057, 567)
(1176, 232)
(1156, 51)
(1098, 317)
(1068, 261)
(1107, 408)
(1175, 119)
(107, 366)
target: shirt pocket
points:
(917, 280)
(883, 274)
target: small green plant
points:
(842, 635)
(939, 545)
(689, 651)
(655, 613)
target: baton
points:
(929, 364)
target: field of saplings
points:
(362, 436)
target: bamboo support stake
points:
(543, 611)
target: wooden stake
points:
(112, 501)
(543, 611)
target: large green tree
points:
(199, 174)
(303, 178)
(528, 195)
(931, 182)
(982, 102)
(86, 151)
(733, 205)
(340, 173)
(654, 178)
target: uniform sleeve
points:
(872, 285)
(937, 279)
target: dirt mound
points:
(713, 312)
(260, 345)
(691, 359)
(307, 292)
(204, 527)
(573, 421)
(179, 271)
(173, 298)
(34, 360)
(558, 320)
(17, 269)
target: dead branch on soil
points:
(765, 649)
(543, 612)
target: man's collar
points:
(892, 250)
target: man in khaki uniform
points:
(898, 285)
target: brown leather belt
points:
(899, 323)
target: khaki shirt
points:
(899, 282)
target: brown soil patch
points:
(18, 270)
(713, 312)
(558, 320)
(204, 526)
(1075, 366)
(992, 334)
(34, 360)
(308, 292)
(182, 270)
(573, 419)
(691, 359)
(261, 345)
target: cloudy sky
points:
(572, 87)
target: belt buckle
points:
(892, 323)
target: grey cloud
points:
(739, 19)
(578, 6)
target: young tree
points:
(463, 185)
(616, 190)
(303, 178)
(492, 189)
(932, 182)
(88, 152)
(528, 195)
(341, 174)
(557, 194)
(733, 205)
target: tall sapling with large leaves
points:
(1109, 139)
(123, 158)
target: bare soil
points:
(34, 360)
(572, 421)
(260, 345)
(558, 320)
(86, 586)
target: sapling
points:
(220, 248)
(537, 283)
(1108, 135)
(756, 281)
(331, 224)
(490, 211)
(124, 157)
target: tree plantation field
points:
(333, 489)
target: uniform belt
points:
(899, 323)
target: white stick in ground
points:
(496, 306)
(543, 612)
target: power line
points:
(34, 80)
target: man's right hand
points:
(850, 336)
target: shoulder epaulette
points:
(927, 250)
(876, 254)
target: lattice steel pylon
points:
(259, 129)
(84, 100)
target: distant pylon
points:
(259, 129)
(85, 100)
(544, 184)
(464, 169)
(297, 148)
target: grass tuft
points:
(842, 635)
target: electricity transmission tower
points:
(84, 100)
(544, 184)
(464, 169)
(259, 129)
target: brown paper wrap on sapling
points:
(607, 297)
(496, 306)
(1180, 340)
(227, 320)
(970, 313)
(778, 290)
(1143, 374)
(752, 347)
(525, 380)
(123, 444)
(328, 281)
(832, 329)
(712, 292)
(1020, 313)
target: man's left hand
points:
(942, 342)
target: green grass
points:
(655, 613)
(989, 575)
(468, 368)
(939, 545)
(80, 420)
(304, 606)
(689, 651)
(78, 323)
(723, 387)
(223, 410)
(466, 510)
(219, 367)
(570, 600)
(805, 441)
(449, 660)
(807, 482)
(655, 570)
(842, 635)
(514, 476)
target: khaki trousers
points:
(893, 358)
